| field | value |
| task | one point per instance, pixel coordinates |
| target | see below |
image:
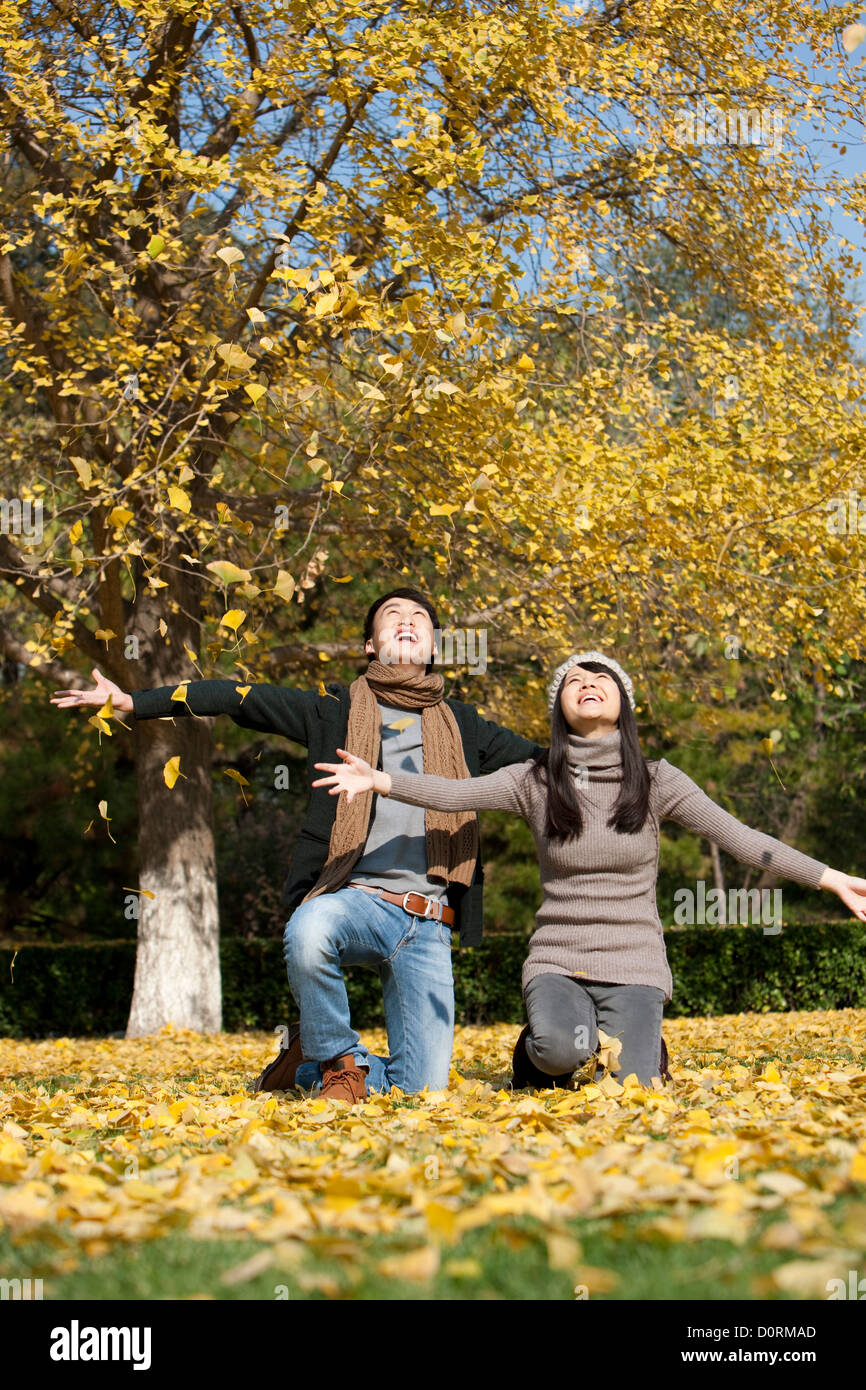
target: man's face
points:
(402, 634)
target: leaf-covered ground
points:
(755, 1155)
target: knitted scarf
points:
(452, 836)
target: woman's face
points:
(590, 702)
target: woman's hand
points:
(852, 891)
(352, 776)
(121, 703)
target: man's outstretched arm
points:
(267, 708)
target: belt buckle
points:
(429, 905)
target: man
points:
(375, 882)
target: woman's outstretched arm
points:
(682, 800)
(503, 790)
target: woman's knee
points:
(557, 1051)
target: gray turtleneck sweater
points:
(598, 918)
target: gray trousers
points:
(565, 1014)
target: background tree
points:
(273, 282)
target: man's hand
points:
(353, 776)
(121, 703)
(851, 890)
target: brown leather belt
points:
(431, 907)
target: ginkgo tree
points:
(275, 287)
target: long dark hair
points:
(564, 818)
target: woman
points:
(597, 958)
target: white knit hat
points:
(577, 660)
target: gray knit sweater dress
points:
(598, 919)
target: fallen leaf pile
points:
(109, 1141)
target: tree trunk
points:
(177, 966)
(718, 874)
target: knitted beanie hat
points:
(577, 660)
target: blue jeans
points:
(412, 957)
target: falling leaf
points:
(230, 255)
(171, 771)
(255, 391)
(103, 811)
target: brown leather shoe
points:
(279, 1075)
(343, 1079)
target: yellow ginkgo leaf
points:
(84, 471)
(285, 585)
(229, 573)
(234, 357)
(326, 303)
(171, 771)
(255, 391)
(103, 811)
(233, 618)
(179, 499)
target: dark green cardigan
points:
(320, 723)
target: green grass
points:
(512, 1255)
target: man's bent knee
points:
(310, 934)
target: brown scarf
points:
(452, 836)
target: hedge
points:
(66, 991)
